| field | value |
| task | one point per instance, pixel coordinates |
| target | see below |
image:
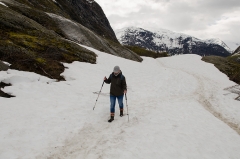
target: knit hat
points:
(116, 69)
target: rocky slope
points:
(236, 55)
(38, 35)
(174, 43)
(229, 65)
(87, 13)
(80, 34)
(29, 46)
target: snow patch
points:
(90, 1)
(3, 4)
(6, 63)
(60, 18)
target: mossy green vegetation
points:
(143, 52)
(41, 60)
(23, 39)
(228, 66)
(234, 58)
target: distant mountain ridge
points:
(175, 43)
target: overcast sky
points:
(200, 18)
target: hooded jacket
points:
(118, 84)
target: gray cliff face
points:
(86, 12)
(89, 14)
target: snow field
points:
(172, 102)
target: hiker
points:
(117, 90)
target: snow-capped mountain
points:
(172, 42)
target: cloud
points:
(200, 18)
(225, 28)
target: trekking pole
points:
(127, 106)
(98, 95)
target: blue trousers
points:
(113, 102)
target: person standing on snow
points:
(117, 90)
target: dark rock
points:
(3, 94)
(3, 66)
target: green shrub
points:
(143, 52)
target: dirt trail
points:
(205, 100)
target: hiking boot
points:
(121, 112)
(111, 119)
